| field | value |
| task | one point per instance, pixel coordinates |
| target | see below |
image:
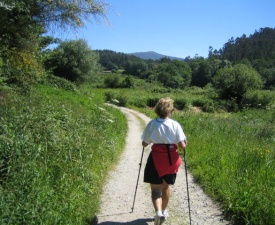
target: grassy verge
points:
(232, 157)
(56, 147)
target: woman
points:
(163, 162)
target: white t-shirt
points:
(163, 131)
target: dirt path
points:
(118, 193)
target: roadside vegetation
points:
(58, 138)
(56, 147)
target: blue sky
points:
(177, 28)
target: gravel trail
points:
(118, 193)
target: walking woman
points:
(163, 162)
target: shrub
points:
(22, 68)
(138, 101)
(122, 100)
(59, 82)
(230, 105)
(109, 96)
(258, 99)
(180, 103)
(112, 81)
(207, 105)
(128, 82)
(236, 81)
(152, 101)
(73, 60)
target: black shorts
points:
(151, 175)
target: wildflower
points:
(115, 100)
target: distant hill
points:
(152, 55)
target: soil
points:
(119, 191)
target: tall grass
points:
(232, 157)
(56, 147)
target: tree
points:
(23, 22)
(62, 14)
(128, 82)
(234, 82)
(175, 74)
(136, 68)
(73, 60)
(268, 75)
(201, 72)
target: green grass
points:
(232, 157)
(56, 147)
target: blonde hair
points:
(164, 106)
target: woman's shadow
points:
(134, 222)
(143, 221)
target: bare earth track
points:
(118, 194)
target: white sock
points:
(159, 213)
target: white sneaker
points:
(159, 219)
(165, 214)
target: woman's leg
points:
(166, 192)
(160, 194)
(156, 195)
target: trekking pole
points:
(137, 179)
(188, 198)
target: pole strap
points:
(168, 152)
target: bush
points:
(109, 96)
(122, 100)
(112, 81)
(230, 105)
(207, 105)
(152, 101)
(22, 69)
(138, 101)
(73, 60)
(258, 99)
(59, 82)
(128, 82)
(236, 81)
(180, 103)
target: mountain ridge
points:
(153, 55)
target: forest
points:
(52, 172)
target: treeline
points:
(235, 79)
(256, 52)
(260, 45)
(240, 68)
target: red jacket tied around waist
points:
(166, 158)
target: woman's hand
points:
(144, 144)
(182, 144)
